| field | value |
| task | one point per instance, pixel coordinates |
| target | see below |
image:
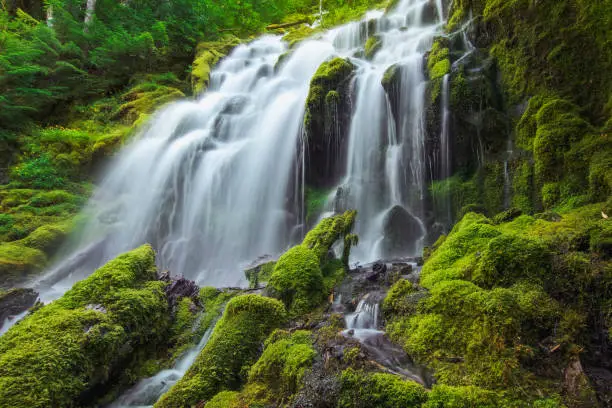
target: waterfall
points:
(445, 144)
(213, 183)
(387, 136)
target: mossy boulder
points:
(234, 346)
(63, 352)
(297, 279)
(279, 372)
(326, 122)
(304, 276)
(372, 46)
(362, 390)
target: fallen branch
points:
(285, 25)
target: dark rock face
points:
(401, 232)
(16, 301)
(327, 122)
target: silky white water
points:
(386, 154)
(211, 183)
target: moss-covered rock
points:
(321, 238)
(372, 46)
(297, 279)
(361, 390)
(18, 262)
(208, 54)
(232, 349)
(326, 122)
(64, 351)
(501, 296)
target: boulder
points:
(401, 232)
(16, 301)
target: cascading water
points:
(445, 144)
(212, 183)
(208, 181)
(387, 133)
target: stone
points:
(401, 232)
(16, 301)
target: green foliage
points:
(443, 396)
(360, 389)
(232, 349)
(73, 345)
(224, 399)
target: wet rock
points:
(401, 232)
(178, 288)
(378, 270)
(96, 307)
(320, 389)
(16, 301)
(235, 105)
(326, 122)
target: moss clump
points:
(304, 276)
(224, 399)
(372, 46)
(464, 397)
(438, 62)
(398, 300)
(74, 345)
(495, 291)
(298, 280)
(18, 262)
(321, 238)
(362, 390)
(278, 373)
(233, 347)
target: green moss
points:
(75, 344)
(372, 46)
(208, 54)
(298, 280)
(360, 389)
(282, 366)
(232, 349)
(508, 259)
(397, 301)
(321, 238)
(443, 396)
(224, 399)
(48, 238)
(18, 262)
(438, 62)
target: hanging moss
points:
(63, 350)
(233, 347)
(321, 238)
